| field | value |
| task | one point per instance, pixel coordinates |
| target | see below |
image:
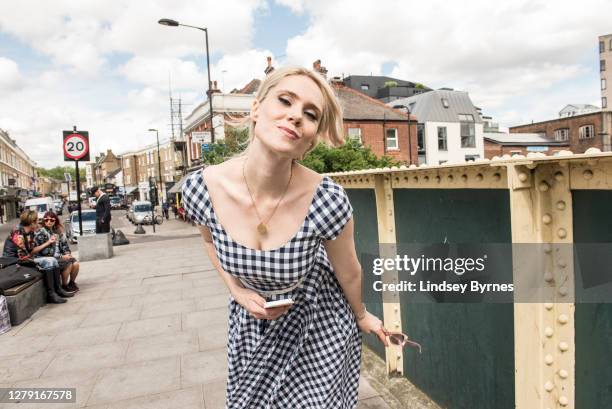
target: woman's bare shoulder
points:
(308, 174)
(221, 173)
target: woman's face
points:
(288, 118)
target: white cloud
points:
(494, 50)
(10, 77)
(297, 6)
(239, 69)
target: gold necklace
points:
(261, 227)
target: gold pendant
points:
(261, 228)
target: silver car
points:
(89, 224)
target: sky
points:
(107, 66)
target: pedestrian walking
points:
(174, 210)
(1, 213)
(103, 211)
(165, 210)
(277, 231)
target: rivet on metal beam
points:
(497, 177)
(543, 186)
(523, 177)
(548, 277)
(563, 401)
(479, 177)
(547, 248)
(548, 359)
(562, 263)
(548, 331)
(549, 306)
(563, 318)
(562, 233)
(426, 178)
(546, 219)
(559, 176)
(438, 179)
(563, 291)
(563, 374)
(587, 174)
(450, 178)
(560, 205)
(464, 177)
(563, 346)
(416, 179)
(548, 386)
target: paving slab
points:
(138, 379)
(203, 367)
(88, 357)
(167, 324)
(189, 398)
(161, 346)
(168, 308)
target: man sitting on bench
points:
(20, 243)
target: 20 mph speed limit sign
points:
(76, 146)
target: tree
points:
(234, 143)
(390, 84)
(58, 172)
(350, 156)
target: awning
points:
(178, 186)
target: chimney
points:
(215, 88)
(316, 66)
(269, 68)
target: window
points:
(392, 139)
(421, 138)
(604, 102)
(603, 83)
(586, 132)
(442, 138)
(445, 102)
(471, 158)
(442, 162)
(602, 46)
(365, 87)
(602, 65)
(355, 134)
(512, 153)
(562, 134)
(468, 131)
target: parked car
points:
(88, 222)
(41, 205)
(115, 202)
(92, 202)
(59, 206)
(140, 212)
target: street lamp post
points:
(161, 185)
(409, 136)
(173, 23)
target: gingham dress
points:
(309, 358)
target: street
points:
(147, 330)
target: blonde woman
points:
(276, 230)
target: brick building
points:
(376, 125)
(580, 131)
(500, 144)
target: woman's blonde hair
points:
(330, 129)
(28, 218)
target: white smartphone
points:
(278, 303)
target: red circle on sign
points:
(75, 146)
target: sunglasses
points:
(49, 220)
(398, 338)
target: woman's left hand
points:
(372, 324)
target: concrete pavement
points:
(147, 330)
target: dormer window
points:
(445, 102)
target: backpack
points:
(13, 274)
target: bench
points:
(25, 299)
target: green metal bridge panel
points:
(592, 212)
(468, 349)
(366, 245)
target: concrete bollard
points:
(139, 229)
(95, 247)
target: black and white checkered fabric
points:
(309, 358)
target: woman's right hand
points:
(52, 239)
(254, 304)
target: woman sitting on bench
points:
(20, 244)
(60, 250)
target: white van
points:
(41, 205)
(141, 211)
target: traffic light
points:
(153, 196)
